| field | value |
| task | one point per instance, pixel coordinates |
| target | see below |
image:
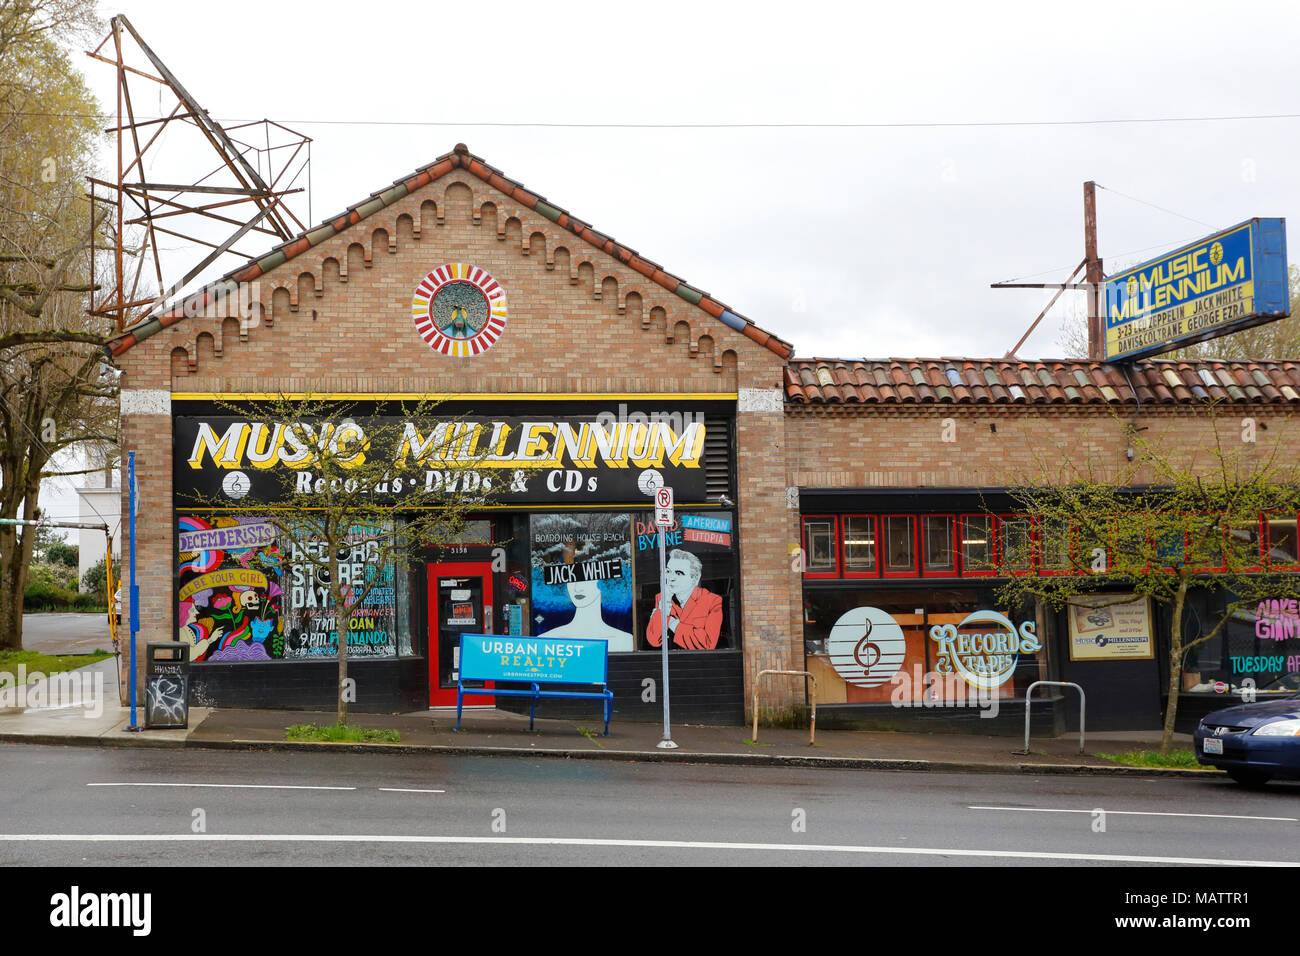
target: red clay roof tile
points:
(1072, 381)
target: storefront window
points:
(1017, 543)
(1056, 544)
(1205, 549)
(1283, 548)
(977, 554)
(819, 545)
(312, 624)
(944, 647)
(1128, 549)
(938, 533)
(1245, 545)
(860, 544)
(1259, 647)
(900, 545)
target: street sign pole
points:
(135, 588)
(664, 519)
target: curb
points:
(101, 740)
(637, 756)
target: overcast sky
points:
(846, 242)
(885, 238)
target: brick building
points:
(460, 283)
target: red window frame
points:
(1209, 568)
(1039, 549)
(1033, 543)
(1111, 525)
(835, 546)
(954, 546)
(993, 546)
(844, 549)
(915, 571)
(1260, 535)
(1267, 539)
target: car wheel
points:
(1249, 778)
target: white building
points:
(99, 501)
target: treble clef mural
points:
(866, 646)
(865, 652)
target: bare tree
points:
(55, 387)
(1161, 529)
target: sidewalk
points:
(493, 732)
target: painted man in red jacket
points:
(695, 615)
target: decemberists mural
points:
(247, 593)
(231, 602)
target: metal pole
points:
(1083, 708)
(135, 588)
(1096, 327)
(667, 743)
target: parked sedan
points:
(1255, 742)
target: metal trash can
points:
(167, 685)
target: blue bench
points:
(538, 662)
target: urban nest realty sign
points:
(1221, 284)
(570, 661)
(225, 460)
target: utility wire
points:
(971, 124)
(1154, 206)
(1171, 244)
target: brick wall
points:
(851, 447)
(338, 319)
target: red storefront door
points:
(460, 602)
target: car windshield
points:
(1286, 684)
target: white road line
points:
(232, 786)
(403, 790)
(1143, 813)
(579, 841)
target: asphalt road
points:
(60, 633)
(109, 807)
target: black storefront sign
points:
(230, 461)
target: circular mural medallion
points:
(459, 309)
(866, 646)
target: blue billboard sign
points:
(513, 658)
(1221, 284)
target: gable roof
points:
(965, 381)
(458, 158)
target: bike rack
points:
(812, 727)
(1083, 705)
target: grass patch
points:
(342, 733)
(591, 735)
(36, 662)
(753, 743)
(1179, 758)
(88, 609)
